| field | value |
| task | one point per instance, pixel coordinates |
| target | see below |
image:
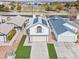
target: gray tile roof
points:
(58, 25)
(44, 22)
(35, 20)
(40, 20)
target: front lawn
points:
(23, 52)
(51, 51)
(77, 36)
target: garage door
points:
(67, 39)
(38, 38)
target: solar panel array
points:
(35, 20)
(44, 22)
(58, 25)
(41, 21)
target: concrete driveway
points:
(39, 50)
(67, 50)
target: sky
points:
(41, 0)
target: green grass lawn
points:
(23, 52)
(51, 51)
(77, 36)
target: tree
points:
(49, 8)
(2, 7)
(13, 6)
(59, 8)
(6, 9)
(77, 5)
(18, 7)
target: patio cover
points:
(17, 20)
(6, 28)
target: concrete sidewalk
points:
(39, 50)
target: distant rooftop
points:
(17, 20)
(6, 28)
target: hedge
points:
(11, 34)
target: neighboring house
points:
(39, 29)
(76, 21)
(3, 19)
(73, 9)
(62, 32)
(19, 22)
(5, 29)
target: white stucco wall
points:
(67, 37)
(2, 39)
(77, 16)
(33, 30)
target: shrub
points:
(48, 8)
(11, 34)
(18, 7)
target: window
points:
(39, 29)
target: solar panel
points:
(44, 22)
(35, 20)
(58, 25)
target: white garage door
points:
(67, 39)
(38, 38)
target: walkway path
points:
(39, 50)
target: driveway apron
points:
(67, 50)
(39, 50)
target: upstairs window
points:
(39, 29)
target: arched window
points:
(39, 29)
